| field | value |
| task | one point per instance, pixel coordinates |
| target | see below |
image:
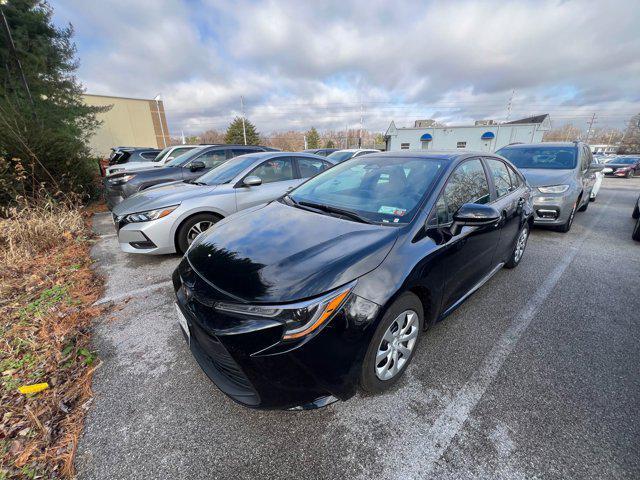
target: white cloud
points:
(304, 63)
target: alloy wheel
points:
(397, 345)
(521, 244)
(197, 229)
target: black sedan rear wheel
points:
(393, 344)
(636, 231)
(518, 250)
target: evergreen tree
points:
(313, 138)
(329, 144)
(46, 127)
(235, 135)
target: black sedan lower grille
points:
(221, 368)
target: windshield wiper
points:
(194, 182)
(339, 211)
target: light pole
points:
(164, 139)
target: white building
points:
(480, 138)
(606, 149)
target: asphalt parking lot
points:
(537, 375)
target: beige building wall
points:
(131, 122)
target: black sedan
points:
(184, 168)
(299, 302)
(623, 167)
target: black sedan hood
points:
(278, 253)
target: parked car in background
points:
(167, 218)
(636, 214)
(623, 166)
(344, 155)
(166, 155)
(296, 303)
(186, 167)
(122, 155)
(563, 175)
(321, 151)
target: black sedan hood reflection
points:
(279, 253)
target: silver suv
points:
(563, 175)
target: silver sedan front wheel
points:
(397, 345)
(197, 229)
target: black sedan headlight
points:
(302, 318)
(120, 179)
(150, 214)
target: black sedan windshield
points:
(227, 171)
(378, 189)
(555, 158)
(182, 159)
(623, 160)
(338, 157)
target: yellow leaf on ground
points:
(35, 388)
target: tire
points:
(629, 174)
(636, 231)
(370, 378)
(187, 233)
(584, 207)
(564, 228)
(518, 249)
(636, 212)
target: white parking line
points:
(133, 293)
(435, 443)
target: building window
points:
(461, 145)
(405, 146)
(425, 145)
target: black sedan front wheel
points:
(393, 344)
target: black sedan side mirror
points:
(196, 165)
(474, 215)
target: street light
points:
(157, 99)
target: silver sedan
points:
(167, 218)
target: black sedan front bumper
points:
(247, 359)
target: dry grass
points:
(47, 288)
(28, 230)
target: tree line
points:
(290, 140)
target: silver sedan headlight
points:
(150, 215)
(554, 189)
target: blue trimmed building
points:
(480, 137)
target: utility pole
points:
(361, 124)
(12, 49)
(244, 129)
(305, 142)
(510, 104)
(591, 122)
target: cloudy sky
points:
(300, 63)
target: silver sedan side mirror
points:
(252, 181)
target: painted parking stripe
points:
(437, 440)
(133, 293)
